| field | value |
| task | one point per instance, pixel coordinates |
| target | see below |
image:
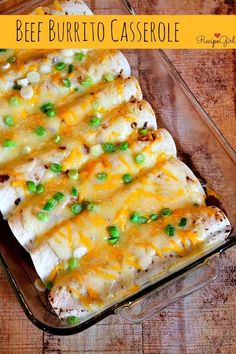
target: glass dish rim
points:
(230, 242)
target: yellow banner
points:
(108, 31)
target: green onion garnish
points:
(31, 186)
(9, 143)
(135, 218)
(114, 234)
(60, 66)
(45, 107)
(140, 158)
(94, 122)
(73, 174)
(66, 82)
(14, 101)
(72, 320)
(79, 56)
(3, 50)
(96, 105)
(127, 178)
(102, 176)
(166, 212)
(72, 262)
(108, 148)
(17, 87)
(169, 230)
(40, 188)
(123, 146)
(40, 131)
(42, 216)
(142, 220)
(144, 131)
(74, 191)
(91, 207)
(76, 208)
(183, 222)
(70, 68)
(49, 285)
(55, 167)
(153, 217)
(9, 120)
(58, 196)
(87, 82)
(11, 59)
(57, 138)
(108, 77)
(48, 109)
(50, 204)
(51, 113)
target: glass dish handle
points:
(149, 305)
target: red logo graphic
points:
(217, 35)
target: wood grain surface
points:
(203, 323)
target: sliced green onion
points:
(51, 113)
(91, 207)
(127, 178)
(108, 77)
(72, 320)
(9, 120)
(3, 50)
(73, 174)
(169, 230)
(17, 87)
(79, 56)
(96, 105)
(45, 107)
(42, 216)
(40, 188)
(108, 148)
(183, 222)
(55, 167)
(70, 68)
(114, 234)
(50, 204)
(40, 131)
(142, 220)
(72, 262)
(140, 158)
(74, 191)
(154, 217)
(66, 82)
(123, 146)
(166, 212)
(31, 186)
(87, 82)
(49, 285)
(11, 59)
(14, 101)
(94, 122)
(9, 143)
(102, 176)
(57, 138)
(58, 196)
(144, 131)
(60, 66)
(134, 217)
(76, 208)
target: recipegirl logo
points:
(217, 40)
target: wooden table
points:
(202, 323)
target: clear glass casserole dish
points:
(200, 145)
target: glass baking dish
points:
(199, 144)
